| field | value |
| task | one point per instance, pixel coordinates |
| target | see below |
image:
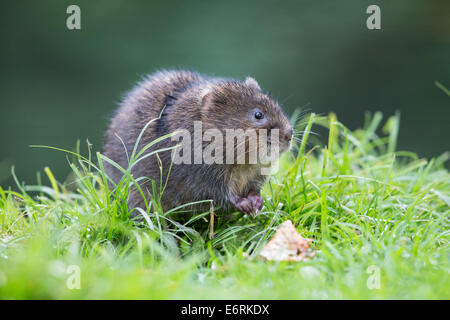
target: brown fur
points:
(182, 97)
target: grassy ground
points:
(379, 217)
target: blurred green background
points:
(58, 85)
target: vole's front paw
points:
(244, 205)
(257, 202)
(251, 204)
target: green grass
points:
(371, 210)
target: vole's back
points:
(142, 104)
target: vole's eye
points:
(259, 115)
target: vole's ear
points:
(252, 83)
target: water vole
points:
(178, 99)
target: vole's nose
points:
(288, 134)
